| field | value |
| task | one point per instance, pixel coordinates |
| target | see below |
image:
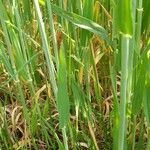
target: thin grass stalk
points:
(138, 27)
(116, 109)
(70, 31)
(24, 49)
(93, 135)
(137, 36)
(46, 49)
(96, 78)
(65, 138)
(131, 67)
(124, 78)
(53, 33)
(87, 74)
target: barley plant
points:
(74, 74)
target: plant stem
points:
(65, 137)
(124, 78)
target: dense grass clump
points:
(75, 74)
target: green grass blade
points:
(62, 97)
(46, 48)
(124, 17)
(124, 78)
(82, 22)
